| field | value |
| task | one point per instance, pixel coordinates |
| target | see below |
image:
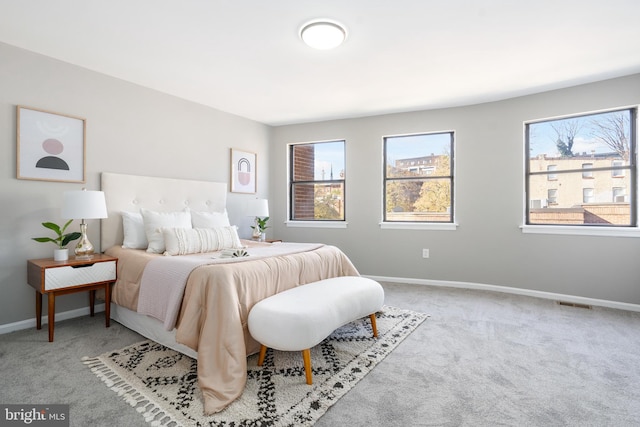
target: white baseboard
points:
(509, 290)
(31, 323)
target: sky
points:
(543, 137)
(406, 147)
(328, 155)
(331, 154)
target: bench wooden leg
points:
(306, 356)
(373, 324)
(263, 352)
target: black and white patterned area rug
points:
(162, 383)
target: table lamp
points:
(83, 205)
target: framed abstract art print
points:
(50, 146)
(243, 171)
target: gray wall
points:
(135, 130)
(488, 247)
(130, 130)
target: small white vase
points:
(61, 254)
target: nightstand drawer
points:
(69, 276)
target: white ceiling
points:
(245, 56)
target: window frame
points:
(588, 195)
(587, 171)
(631, 230)
(622, 191)
(291, 183)
(618, 172)
(421, 225)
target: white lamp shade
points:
(258, 207)
(84, 205)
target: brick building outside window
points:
(317, 181)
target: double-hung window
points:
(418, 178)
(617, 171)
(592, 159)
(317, 181)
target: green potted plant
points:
(260, 228)
(61, 241)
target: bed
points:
(206, 308)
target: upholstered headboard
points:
(129, 193)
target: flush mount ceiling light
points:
(323, 34)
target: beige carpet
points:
(162, 383)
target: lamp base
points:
(259, 238)
(84, 248)
(257, 233)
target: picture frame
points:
(243, 171)
(50, 146)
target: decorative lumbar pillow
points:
(184, 241)
(154, 222)
(209, 219)
(134, 235)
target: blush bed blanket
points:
(217, 300)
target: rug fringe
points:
(152, 412)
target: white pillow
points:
(183, 241)
(155, 221)
(209, 219)
(134, 235)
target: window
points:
(618, 195)
(592, 158)
(587, 195)
(617, 171)
(418, 194)
(317, 181)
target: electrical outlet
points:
(425, 253)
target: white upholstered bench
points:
(301, 318)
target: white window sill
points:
(316, 224)
(582, 230)
(448, 226)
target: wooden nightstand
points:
(55, 278)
